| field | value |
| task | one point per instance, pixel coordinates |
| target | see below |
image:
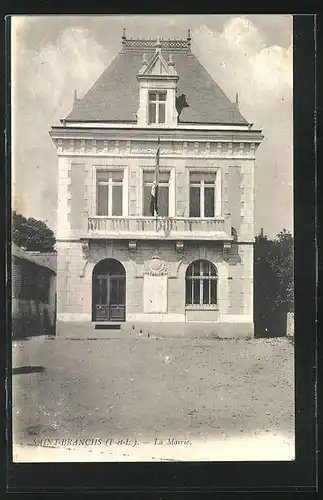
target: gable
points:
(157, 66)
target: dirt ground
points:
(191, 389)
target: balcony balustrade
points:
(186, 228)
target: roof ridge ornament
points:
(150, 45)
(158, 44)
(189, 38)
(144, 61)
(170, 60)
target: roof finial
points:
(75, 95)
(189, 35)
(237, 100)
(158, 44)
(124, 34)
(144, 61)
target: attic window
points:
(157, 107)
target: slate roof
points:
(48, 260)
(115, 95)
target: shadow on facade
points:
(26, 370)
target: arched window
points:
(201, 283)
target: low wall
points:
(30, 317)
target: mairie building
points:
(189, 269)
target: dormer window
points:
(157, 107)
(157, 90)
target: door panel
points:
(101, 312)
(117, 313)
(117, 298)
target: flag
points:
(154, 187)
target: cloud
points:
(239, 60)
(43, 84)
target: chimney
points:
(237, 100)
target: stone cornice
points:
(147, 134)
(144, 148)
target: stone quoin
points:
(190, 264)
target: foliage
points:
(274, 283)
(32, 234)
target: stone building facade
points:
(192, 265)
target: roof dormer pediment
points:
(157, 66)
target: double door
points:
(109, 298)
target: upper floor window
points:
(109, 192)
(202, 194)
(157, 107)
(162, 194)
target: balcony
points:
(164, 228)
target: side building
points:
(192, 264)
(33, 293)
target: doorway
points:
(109, 291)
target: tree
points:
(274, 283)
(32, 234)
(281, 261)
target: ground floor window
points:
(201, 283)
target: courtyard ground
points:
(238, 394)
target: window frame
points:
(149, 185)
(125, 195)
(200, 279)
(217, 187)
(157, 103)
(171, 189)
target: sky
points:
(54, 55)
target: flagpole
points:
(156, 181)
(157, 161)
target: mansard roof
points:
(115, 95)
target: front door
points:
(110, 298)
